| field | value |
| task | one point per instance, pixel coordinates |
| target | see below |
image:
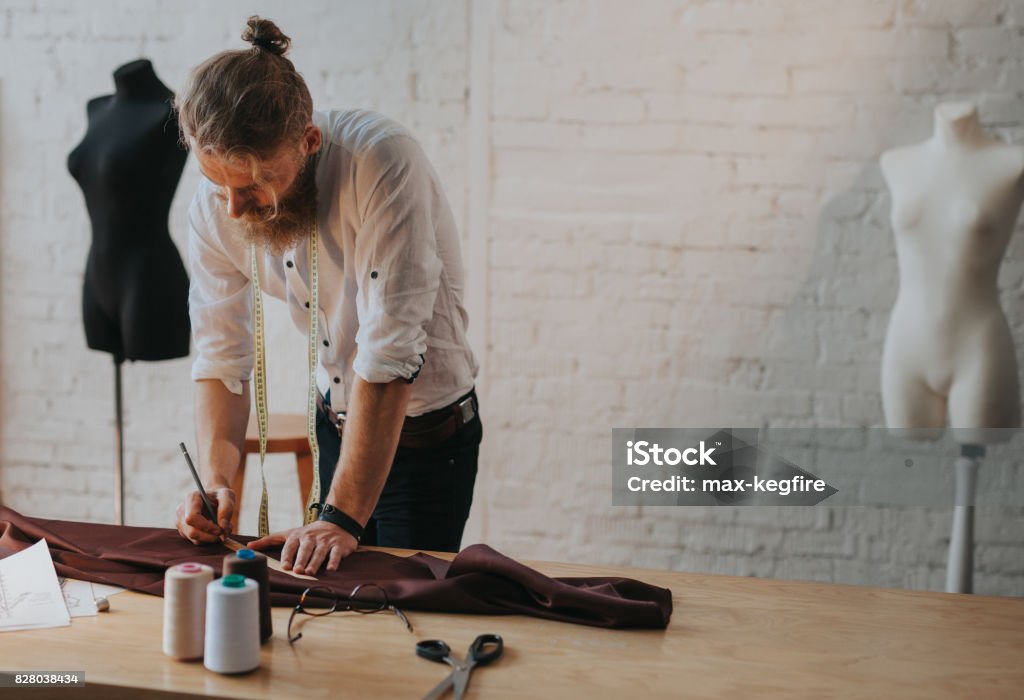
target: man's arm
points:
(372, 426)
(221, 420)
(220, 309)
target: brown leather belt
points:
(418, 432)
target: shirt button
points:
(307, 304)
(337, 380)
(290, 263)
(326, 344)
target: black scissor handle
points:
(433, 649)
(485, 649)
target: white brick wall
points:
(682, 223)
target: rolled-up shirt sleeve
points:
(397, 266)
(220, 304)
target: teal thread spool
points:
(232, 640)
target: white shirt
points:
(390, 271)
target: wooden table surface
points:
(730, 637)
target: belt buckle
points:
(466, 409)
(340, 425)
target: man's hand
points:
(306, 548)
(193, 523)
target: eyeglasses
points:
(366, 598)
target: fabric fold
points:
(479, 580)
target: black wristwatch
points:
(330, 514)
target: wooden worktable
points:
(729, 638)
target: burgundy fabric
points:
(479, 579)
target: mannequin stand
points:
(960, 569)
(118, 446)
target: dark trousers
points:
(426, 500)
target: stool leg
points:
(304, 465)
(236, 485)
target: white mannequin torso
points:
(955, 200)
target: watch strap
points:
(336, 516)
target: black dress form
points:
(135, 297)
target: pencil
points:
(210, 512)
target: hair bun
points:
(264, 34)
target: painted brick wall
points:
(688, 227)
(672, 215)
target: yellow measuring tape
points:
(261, 380)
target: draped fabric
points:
(479, 580)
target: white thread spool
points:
(232, 625)
(185, 609)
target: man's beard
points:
(294, 218)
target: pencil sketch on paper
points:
(78, 596)
(68, 590)
(7, 602)
(30, 595)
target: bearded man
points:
(340, 215)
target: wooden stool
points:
(285, 433)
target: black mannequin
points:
(135, 299)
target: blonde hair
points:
(245, 104)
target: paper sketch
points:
(79, 597)
(30, 596)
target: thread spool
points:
(252, 564)
(185, 609)
(232, 625)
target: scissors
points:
(484, 649)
